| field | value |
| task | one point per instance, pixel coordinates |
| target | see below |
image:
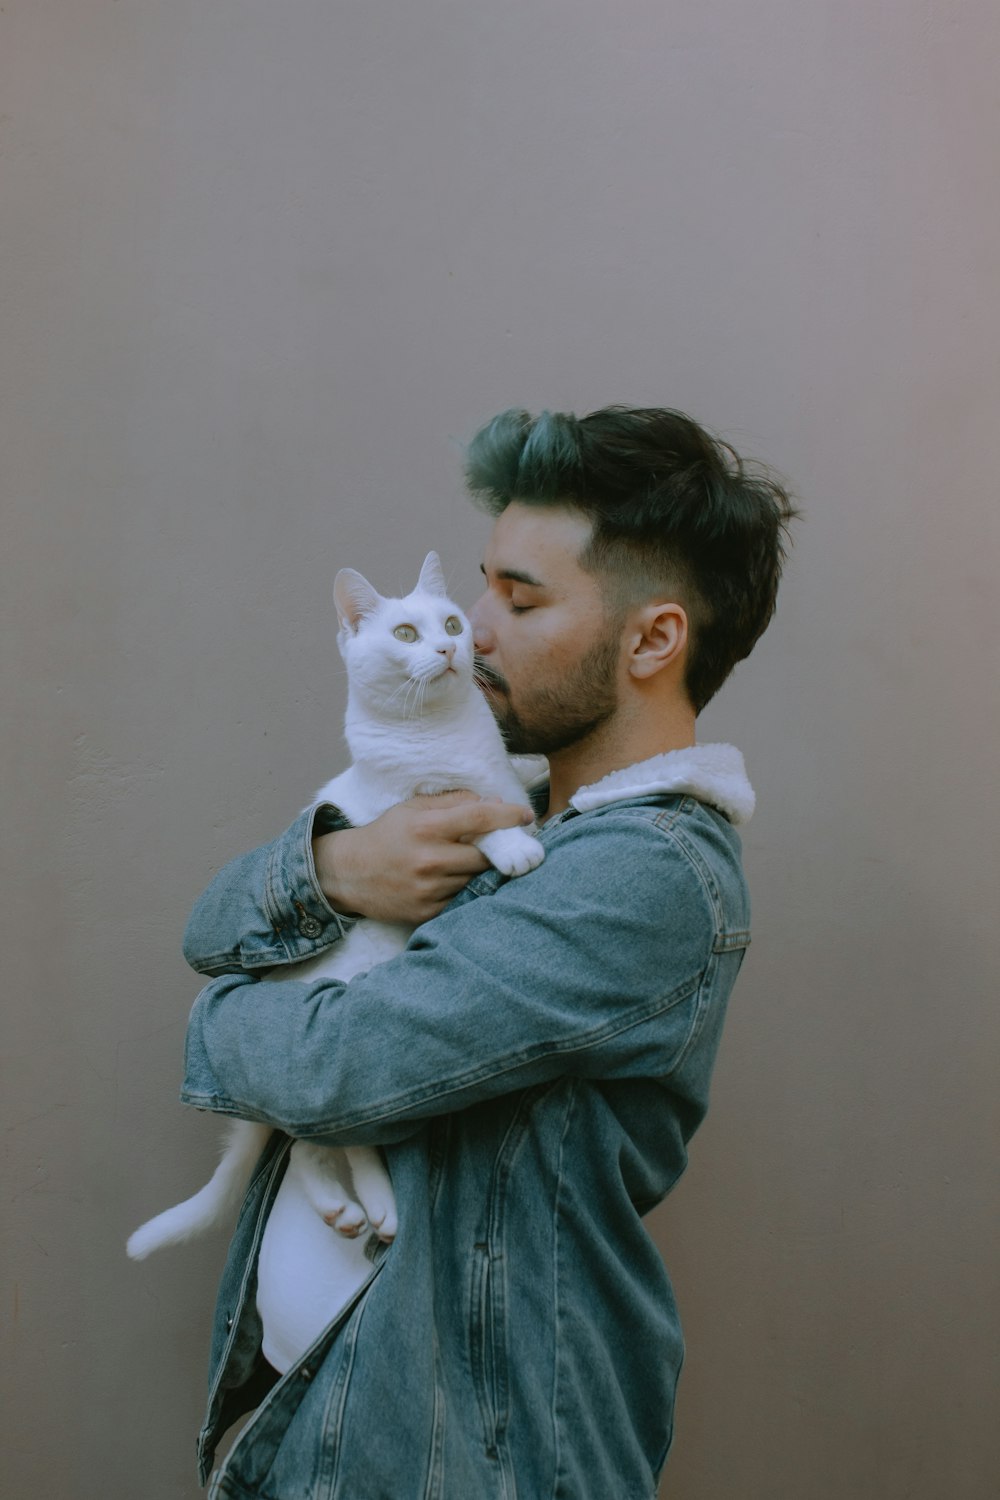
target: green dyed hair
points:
(673, 511)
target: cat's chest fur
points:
(395, 762)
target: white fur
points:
(415, 723)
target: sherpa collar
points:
(711, 773)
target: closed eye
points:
(514, 576)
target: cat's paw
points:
(373, 1188)
(385, 1224)
(513, 851)
(322, 1175)
(348, 1219)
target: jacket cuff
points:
(301, 918)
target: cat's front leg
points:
(513, 851)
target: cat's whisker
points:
(411, 701)
(396, 692)
(406, 687)
(483, 679)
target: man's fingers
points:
(457, 817)
(456, 864)
(469, 820)
(443, 799)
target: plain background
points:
(265, 268)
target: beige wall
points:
(263, 267)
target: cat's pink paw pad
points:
(385, 1227)
(347, 1219)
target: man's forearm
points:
(500, 992)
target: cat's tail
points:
(215, 1204)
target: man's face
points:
(546, 648)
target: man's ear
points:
(659, 638)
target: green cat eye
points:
(405, 633)
(453, 625)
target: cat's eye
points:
(453, 625)
(405, 633)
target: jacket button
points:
(306, 1373)
(309, 927)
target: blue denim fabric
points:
(534, 1063)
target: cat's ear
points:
(354, 597)
(431, 578)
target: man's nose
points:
(482, 636)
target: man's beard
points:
(559, 716)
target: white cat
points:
(415, 723)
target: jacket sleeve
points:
(593, 964)
(266, 908)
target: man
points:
(536, 1061)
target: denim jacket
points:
(534, 1065)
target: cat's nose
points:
(448, 651)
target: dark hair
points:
(672, 508)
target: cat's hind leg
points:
(323, 1172)
(374, 1189)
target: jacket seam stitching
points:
(271, 908)
(556, 1285)
(701, 872)
(701, 1007)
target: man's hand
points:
(407, 865)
